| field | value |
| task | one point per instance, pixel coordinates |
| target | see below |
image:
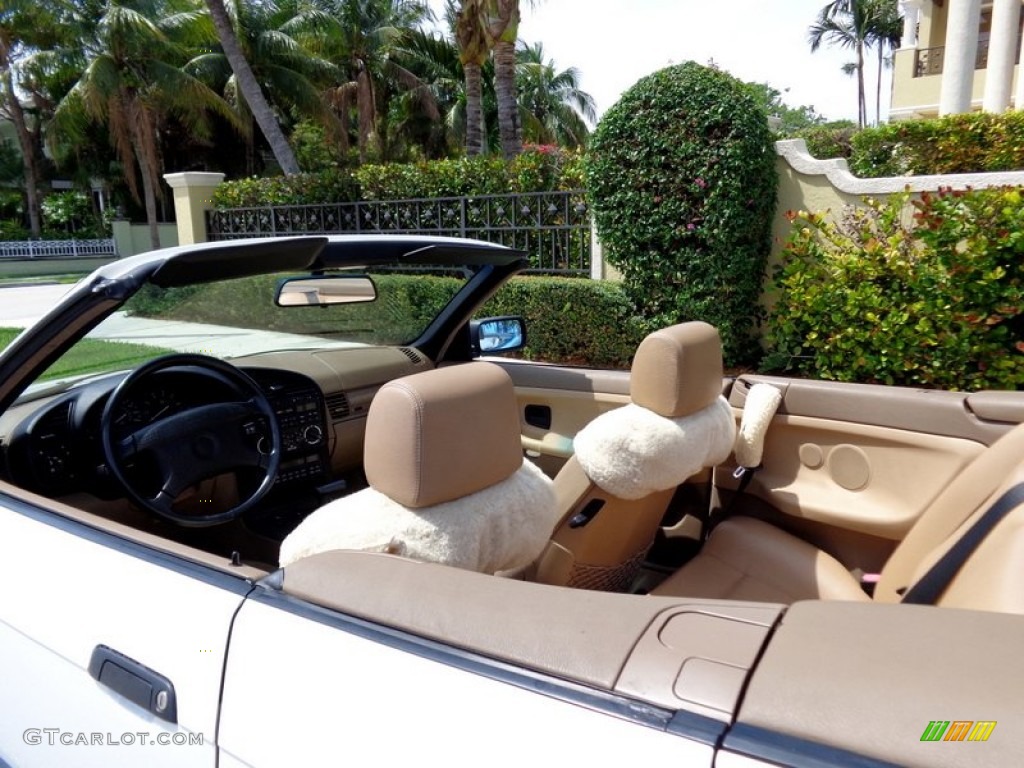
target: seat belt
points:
(929, 588)
(762, 402)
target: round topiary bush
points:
(681, 177)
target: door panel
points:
(850, 466)
(569, 397)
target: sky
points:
(614, 43)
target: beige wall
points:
(134, 238)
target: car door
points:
(556, 402)
(111, 650)
(851, 467)
(355, 657)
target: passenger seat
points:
(747, 559)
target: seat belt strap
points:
(929, 588)
(758, 411)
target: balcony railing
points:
(552, 227)
(929, 61)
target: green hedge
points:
(539, 169)
(301, 189)
(681, 176)
(969, 143)
(571, 321)
(881, 297)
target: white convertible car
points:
(309, 525)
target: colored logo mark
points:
(958, 730)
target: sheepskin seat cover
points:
(631, 452)
(500, 528)
(763, 401)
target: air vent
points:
(337, 405)
(55, 422)
(412, 354)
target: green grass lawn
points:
(91, 356)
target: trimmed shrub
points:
(681, 178)
(539, 169)
(333, 186)
(930, 300)
(967, 143)
(571, 321)
(825, 142)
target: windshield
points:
(231, 318)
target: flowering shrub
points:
(681, 178)
(930, 300)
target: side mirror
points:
(497, 334)
(323, 291)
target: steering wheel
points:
(197, 443)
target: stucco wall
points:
(809, 184)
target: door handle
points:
(136, 682)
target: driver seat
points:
(448, 483)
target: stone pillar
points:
(911, 15)
(1002, 50)
(962, 28)
(1018, 96)
(193, 196)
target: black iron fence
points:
(553, 227)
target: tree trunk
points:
(474, 110)
(149, 195)
(28, 155)
(250, 89)
(878, 84)
(508, 106)
(862, 99)
(366, 106)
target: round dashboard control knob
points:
(313, 435)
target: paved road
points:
(21, 306)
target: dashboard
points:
(53, 444)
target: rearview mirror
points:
(323, 291)
(497, 334)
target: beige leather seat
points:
(747, 559)
(448, 483)
(613, 493)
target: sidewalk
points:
(200, 338)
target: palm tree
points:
(363, 37)
(501, 22)
(844, 23)
(884, 33)
(23, 26)
(553, 108)
(250, 88)
(474, 50)
(131, 83)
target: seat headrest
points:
(440, 435)
(678, 370)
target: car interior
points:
(596, 504)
